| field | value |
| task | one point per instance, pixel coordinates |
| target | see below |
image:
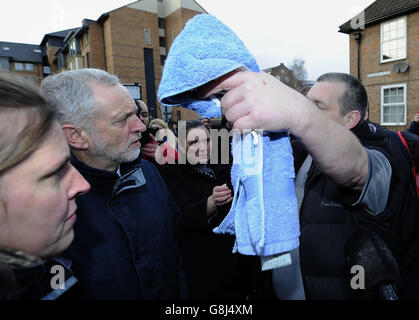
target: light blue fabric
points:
(205, 50)
(264, 214)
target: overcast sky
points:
(274, 31)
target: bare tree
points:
(300, 73)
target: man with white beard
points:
(125, 246)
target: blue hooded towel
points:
(264, 215)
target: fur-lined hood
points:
(18, 259)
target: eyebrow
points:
(319, 102)
(124, 115)
(57, 167)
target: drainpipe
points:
(357, 37)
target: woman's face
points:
(198, 145)
(143, 113)
(37, 199)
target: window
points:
(162, 60)
(393, 104)
(4, 64)
(166, 113)
(18, 66)
(74, 47)
(29, 66)
(6, 48)
(47, 70)
(161, 23)
(73, 65)
(147, 36)
(393, 40)
(162, 41)
(134, 90)
(88, 59)
(62, 61)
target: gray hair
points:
(71, 92)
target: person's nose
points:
(79, 185)
(138, 125)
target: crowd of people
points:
(89, 185)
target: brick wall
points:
(125, 42)
(51, 57)
(36, 74)
(175, 22)
(370, 63)
(96, 46)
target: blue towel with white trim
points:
(264, 214)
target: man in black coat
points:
(124, 245)
(344, 183)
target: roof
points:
(383, 10)
(58, 34)
(21, 52)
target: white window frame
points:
(147, 32)
(29, 67)
(404, 18)
(398, 85)
(19, 64)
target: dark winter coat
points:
(414, 128)
(327, 219)
(25, 277)
(211, 269)
(124, 246)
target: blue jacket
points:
(124, 246)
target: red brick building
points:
(131, 42)
(384, 55)
(283, 74)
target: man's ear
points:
(352, 118)
(76, 137)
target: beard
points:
(114, 152)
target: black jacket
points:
(124, 246)
(212, 270)
(327, 219)
(414, 128)
(24, 278)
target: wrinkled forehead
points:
(112, 100)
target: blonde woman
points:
(164, 145)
